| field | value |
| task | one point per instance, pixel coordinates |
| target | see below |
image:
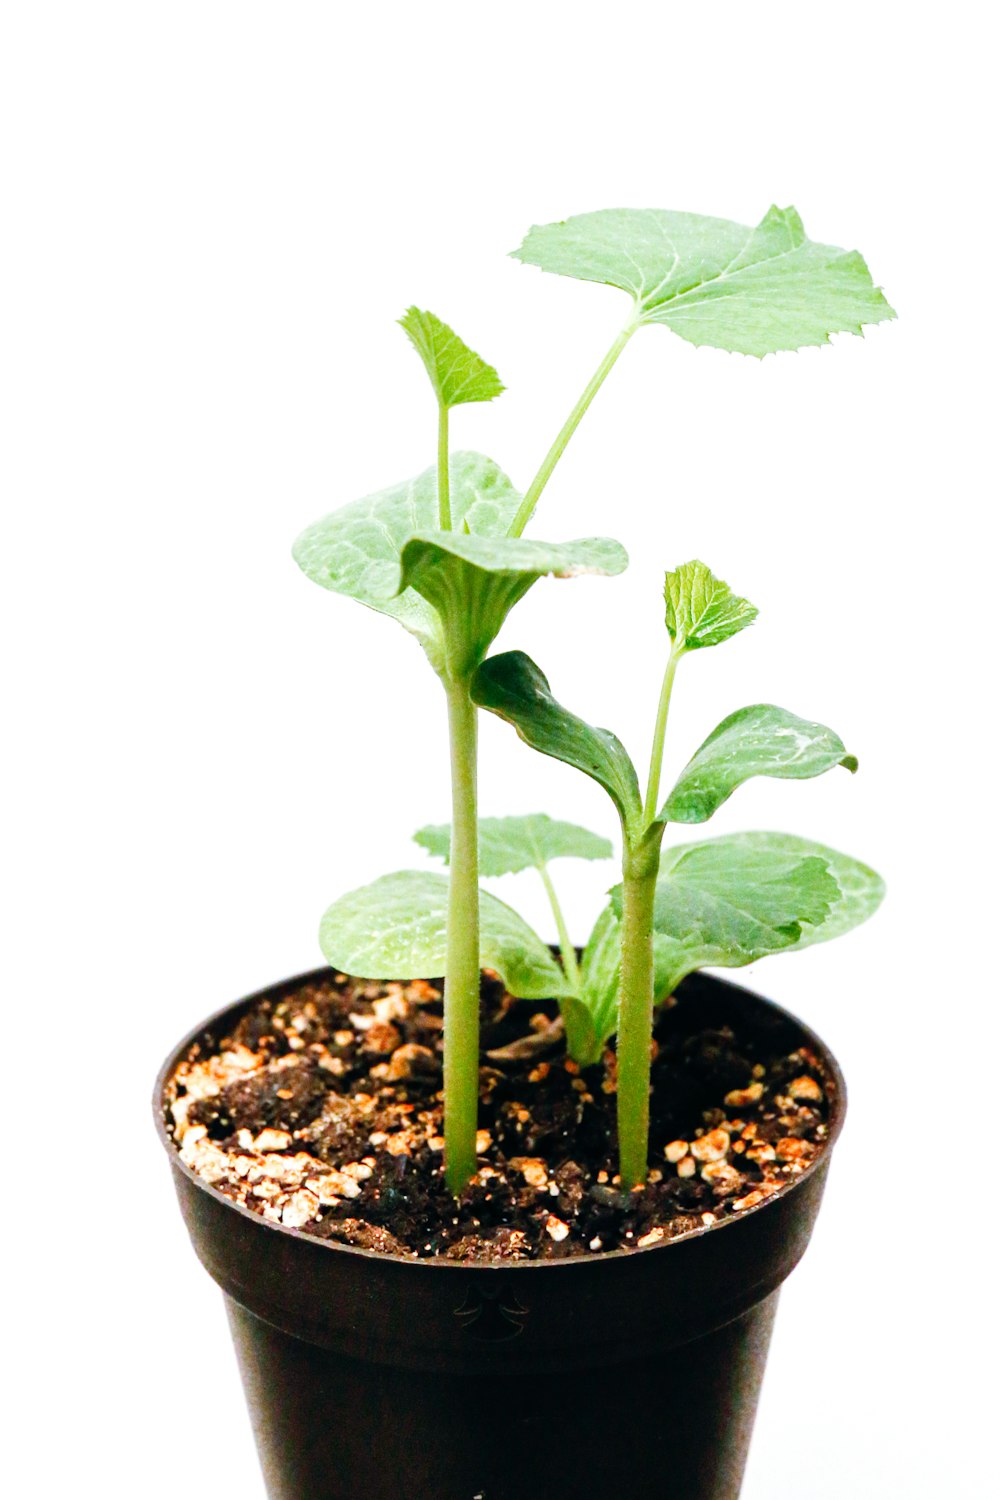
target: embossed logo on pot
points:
(492, 1314)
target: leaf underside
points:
(507, 845)
(473, 582)
(714, 282)
(396, 928)
(513, 687)
(761, 740)
(457, 373)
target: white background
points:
(214, 214)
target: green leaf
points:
(396, 928)
(507, 845)
(861, 890)
(357, 550)
(582, 1043)
(473, 582)
(725, 903)
(457, 373)
(513, 687)
(701, 609)
(599, 972)
(762, 740)
(750, 290)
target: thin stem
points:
(659, 734)
(566, 948)
(572, 422)
(635, 1010)
(461, 984)
(444, 477)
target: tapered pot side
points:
(385, 1376)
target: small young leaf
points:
(762, 740)
(513, 687)
(396, 928)
(599, 972)
(473, 582)
(750, 290)
(701, 609)
(457, 373)
(507, 845)
(357, 550)
(582, 1043)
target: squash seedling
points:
(726, 901)
(444, 555)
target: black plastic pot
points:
(635, 1372)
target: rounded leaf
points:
(712, 281)
(396, 928)
(507, 845)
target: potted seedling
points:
(495, 1218)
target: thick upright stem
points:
(635, 1010)
(572, 422)
(461, 983)
(659, 735)
(444, 476)
(566, 948)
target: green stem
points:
(566, 948)
(572, 422)
(635, 1009)
(461, 984)
(444, 477)
(659, 734)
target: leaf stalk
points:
(444, 477)
(660, 733)
(533, 492)
(570, 965)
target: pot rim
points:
(838, 1109)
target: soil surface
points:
(322, 1112)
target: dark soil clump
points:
(322, 1112)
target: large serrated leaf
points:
(457, 373)
(513, 687)
(507, 845)
(473, 582)
(357, 550)
(702, 610)
(748, 290)
(396, 928)
(761, 740)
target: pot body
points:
(430, 1380)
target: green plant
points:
(444, 555)
(726, 901)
